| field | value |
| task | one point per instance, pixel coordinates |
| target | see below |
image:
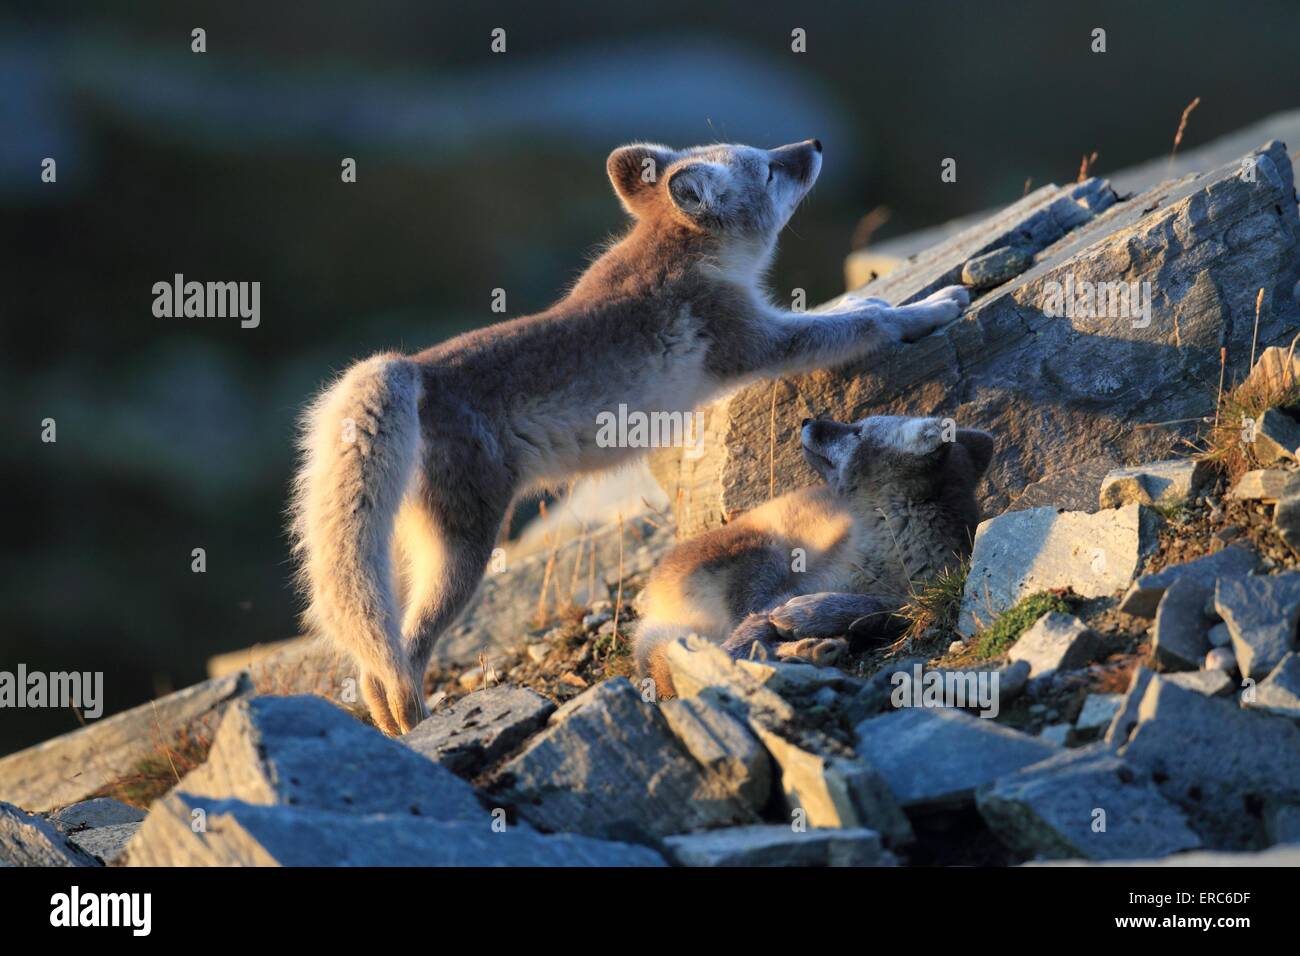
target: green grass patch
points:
(996, 639)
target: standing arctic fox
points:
(792, 575)
(410, 463)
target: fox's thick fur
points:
(797, 573)
(411, 463)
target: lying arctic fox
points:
(800, 571)
(431, 449)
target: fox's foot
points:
(396, 703)
(751, 638)
(934, 311)
(822, 651)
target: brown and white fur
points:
(796, 574)
(410, 463)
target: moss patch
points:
(996, 639)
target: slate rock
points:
(1181, 636)
(1157, 483)
(937, 757)
(1143, 598)
(1282, 823)
(473, 733)
(722, 745)
(101, 827)
(1055, 642)
(1050, 809)
(1261, 613)
(71, 767)
(995, 267)
(1277, 436)
(1267, 485)
(1286, 518)
(1215, 761)
(1098, 713)
(27, 840)
(305, 752)
(818, 777)
(235, 833)
(778, 845)
(1022, 552)
(1279, 693)
(1211, 683)
(1206, 243)
(608, 761)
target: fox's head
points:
(735, 193)
(917, 458)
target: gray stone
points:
(1282, 823)
(101, 827)
(1279, 693)
(817, 776)
(1219, 635)
(1286, 518)
(1073, 488)
(1098, 713)
(795, 678)
(1144, 596)
(1180, 638)
(27, 840)
(473, 733)
(1019, 553)
(996, 267)
(1261, 614)
(1215, 761)
(1058, 734)
(778, 845)
(1277, 436)
(606, 761)
(71, 767)
(1050, 810)
(936, 757)
(305, 752)
(1056, 642)
(1157, 483)
(1205, 244)
(1221, 660)
(1211, 683)
(1266, 484)
(722, 745)
(242, 834)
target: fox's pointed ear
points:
(634, 172)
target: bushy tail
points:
(360, 443)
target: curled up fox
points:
(410, 462)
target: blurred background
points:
(474, 171)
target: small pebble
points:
(1220, 659)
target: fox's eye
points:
(771, 172)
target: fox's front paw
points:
(958, 294)
(750, 638)
(822, 651)
(933, 312)
(807, 615)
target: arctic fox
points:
(800, 571)
(410, 463)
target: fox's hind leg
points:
(832, 614)
(446, 531)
